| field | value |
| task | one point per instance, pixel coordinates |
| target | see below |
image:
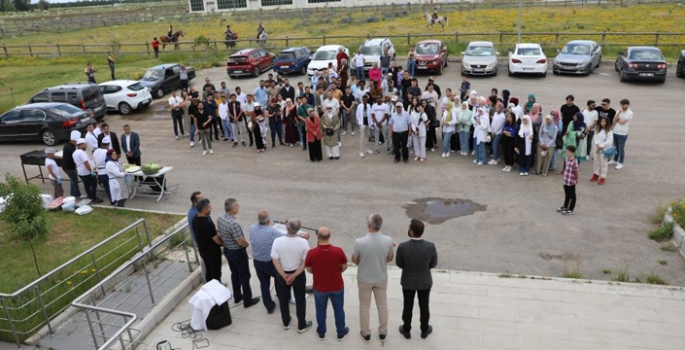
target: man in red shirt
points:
(155, 46)
(327, 263)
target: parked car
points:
(641, 63)
(125, 95)
(50, 122)
(249, 62)
(291, 60)
(578, 57)
(527, 59)
(165, 78)
(480, 58)
(325, 55)
(372, 50)
(82, 95)
(680, 68)
(431, 55)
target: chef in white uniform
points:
(117, 179)
(99, 157)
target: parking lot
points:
(519, 232)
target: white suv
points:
(372, 50)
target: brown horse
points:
(165, 39)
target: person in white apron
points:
(118, 179)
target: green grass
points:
(662, 262)
(622, 276)
(573, 272)
(657, 217)
(69, 236)
(654, 279)
(667, 247)
(662, 233)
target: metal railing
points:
(34, 306)
(108, 318)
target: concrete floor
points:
(520, 232)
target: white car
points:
(527, 59)
(372, 50)
(323, 56)
(125, 95)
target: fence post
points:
(324, 39)
(4, 48)
(501, 38)
(287, 41)
(147, 47)
(84, 47)
(9, 319)
(604, 36)
(656, 39)
(456, 37)
(408, 39)
(59, 52)
(30, 51)
(556, 40)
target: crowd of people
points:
(284, 257)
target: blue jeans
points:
(495, 146)
(228, 129)
(464, 141)
(192, 132)
(265, 272)
(277, 128)
(553, 162)
(359, 72)
(411, 67)
(481, 155)
(74, 191)
(321, 302)
(620, 144)
(446, 142)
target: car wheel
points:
(255, 72)
(159, 93)
(616, 66)
(623, 77)
(439, 72)
(679, 69)
(125, 108)
(48, 137)
(544, 74)
(588, 69)
(447, 58)
(304, 70)
(661, 81)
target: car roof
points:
(72, 86)
(119, 82)
(164, 66)
(374, 42)
(330, 48)
(643, 48)
(293, 49)
(42, 105)
(586, 42)
(244, 52)
(528, 45)
(481, 43)
(429, 42)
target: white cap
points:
(80, 141)
(256, 104)
(50, 150)
(107, 140)
(398, 104)
(75, 135)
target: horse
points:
(442, 21)
(165, 39)
(261, 38)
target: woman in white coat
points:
(117, 179)
(481, 127)
(419, 122)
(603, 139)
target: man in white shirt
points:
(359, 65)
(225, 120)
(431, 96)
(240, 96)
(289, 253)
(84, 169)
(379, 116)
(364, 119)
(99, 158)
(620, 129)
(91, 138)
(591, 116)
(176, 106)
(331, 102)
(54, 174)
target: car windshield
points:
(575, 49)
(91, 93)
(153, 74)
(371, 50)
(324, 55)
(136, 87)
(646, 55)
(480, 51)
(427, 49)
(238, 58)
(529, 51)
(285, 56)
(64, 110)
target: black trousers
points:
(177, 117)
(212, 265)
(257, 131)
(239, 264)
(570, 197)
(431, 137)
(133, 160)
(399, 144)
(508, 147)
(184, 82)
(407, 311)
(315, 153)
(283, 291)
(90, 183)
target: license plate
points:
(646, 74)
(86, 120)
(237, 71)
(422, 67)
(284, 67)
(479, 70)
(528, 69)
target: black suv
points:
(164, 78)
(82, 95)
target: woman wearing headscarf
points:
(603, 139)
(290, 122)
(430, 113)
(419, 122)
(546, 140)
(464, 128)
(314, 136)
(448, 121)
(481, 126)
(575, 133)
(505, 97)
(529, 104)
(524, 145)
(559, 142)
(330, 124)
(518, 111)
(510, 132)
(496, 126)
(118, 179)
(259, 128)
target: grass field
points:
(20, 77)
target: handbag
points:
(609, 152)
(330, 132)
(435, 124)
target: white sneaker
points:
(526, 173)
(369, 151)
(204, 153)
(83, 196)
(493, 162)
(443, 155)
(509, 169)
(176, 138)
(619, 166)
(353, 133)
(447, 155)
(192, 144)
(344, 133)
(479, 163)
(473, 153)
(475, 160)
(505, 168)
(612, 162)
(211, 151)
(361, 154)
(339, 144)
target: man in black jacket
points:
(115, 141)
(287, 91)
(416, 258)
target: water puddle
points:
(438, 210)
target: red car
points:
(249, 62)
(431, 55)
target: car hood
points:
(480, 59)
(321, 64)
(372, 58)
(569, 58)
(424, 57)
(150, 83)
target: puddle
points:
(438, 210)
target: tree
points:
(43, 5)
(22, 5)
(23, 211)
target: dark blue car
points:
(293, 60)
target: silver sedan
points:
(578, 57)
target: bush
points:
(678, 212)
(662, 233)
(23, 209)
(655, 279)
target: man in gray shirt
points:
(372, 253)
(416, 258)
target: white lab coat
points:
(117, 185)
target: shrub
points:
(662, 233)
(678, 212)
(622, 277)
(654, 279)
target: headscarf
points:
(551, 128)
(109, 155)
(464, 105)
(449, 107)
(514, 100)
(529, 103)
(556, 116)
(534, 117)
(523, 128)
(505, 96)
(581, 121)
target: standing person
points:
(54, 174)
(330, 123)
(69, 165)
(448, 121)
(326, 263)
(431, 96)
(289, 254)
(208, 240)
(482, 125)
(465, 88)
(155, 46)
(559, 141)
(202, 120)
(273, 113)
(605, 111)
(411, 61)
(529, 105)
(575, 136)
(112, 136)
(359, 65)
(314, 136)
(248, 109)
(287, 91)
(604, 139)
(302, 114)
(225, 120)
(464, 128)
(86, 171)
(183, 76)
(91, 139)
(591, 119)
(235, 251)
(340, 56)
(110, 62)
(620, 128)
(347, 108)
(176, 106)
(524, 145)
(546, 141)
(568, 110)
(379, 115)
(90, 73)
(496, 127)
(570, 179)
(211, 107)
(100, 163)
(290, 122)
(372, 253)
(385, 61)
(399, 132)
(258, 123)
(343, 72)
(416, 257)
(118, 179)
(419, 123)
(510, 132)
(130, 144)
(364, 120)
(261, 94)
(236, 115)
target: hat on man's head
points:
(394, 98)
(80, 141)
(50, 151)
(389, 74)
(256, 104)
(398, 104)
(75, 135)
(107, 140)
